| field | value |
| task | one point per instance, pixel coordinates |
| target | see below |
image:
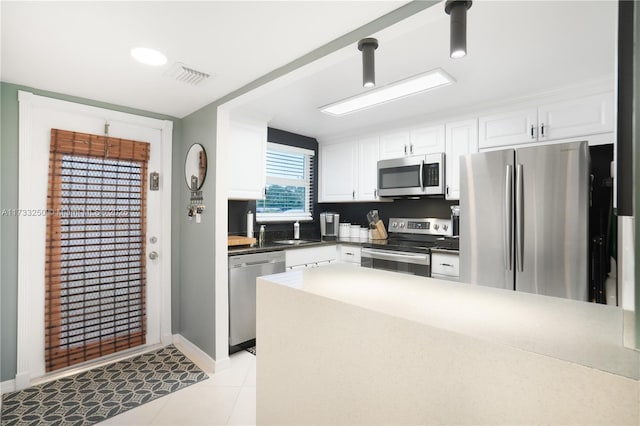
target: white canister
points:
(354, 232)
(364, 235)
(343, 230)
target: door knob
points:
(153, 255)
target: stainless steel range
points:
(408, 249)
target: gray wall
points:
(9, 224)
(197, 313)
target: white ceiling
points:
(81, 48)
(515, 49)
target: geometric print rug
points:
(98, 394)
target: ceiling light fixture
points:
(399, 89)
(148, 56)
(368, 46)
(457, 9)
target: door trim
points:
(30, 336)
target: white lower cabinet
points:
(310, 257)
(445, 265)
(461, 139)
(350, 254)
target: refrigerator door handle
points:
(508, 222)
(519, 220)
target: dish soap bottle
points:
(296, 231)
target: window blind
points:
(95, 252)
(289, 184)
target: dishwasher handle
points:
(259, 262)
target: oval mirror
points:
(195, 167)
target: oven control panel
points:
(424, 226)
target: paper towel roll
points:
(250, 224)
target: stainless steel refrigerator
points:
(524, 219)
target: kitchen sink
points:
(293, 242)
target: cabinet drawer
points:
(447, 264)
(349, 254)
(310, 256)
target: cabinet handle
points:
(411, 148)
(264, 193)
(542, 130)
(446, 264)
(375, 193)
(353, 194)
(405, 149)
(447, 189)
(532, 136)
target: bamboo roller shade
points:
(95, 301)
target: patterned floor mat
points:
(98, 394)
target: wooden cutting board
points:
(238, 240)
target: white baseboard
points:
(7, 386)
(199, 357)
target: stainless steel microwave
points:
(411, 176)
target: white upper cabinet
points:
(368, 156)
(579, 117)
(415, 141)
(559, 120)
(509, 128)
(338, 171)
(427, 140)
(394, 145)
(246, 154)
(461, 139)
(348, 170)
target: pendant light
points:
(368, 46)
(457, 9)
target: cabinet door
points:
(461, 139)
(427, 140)
(579, 117)
(508, 129)
(247, 156)
(338, 171)
(395, 145)
(368, 154)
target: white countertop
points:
(584, 333)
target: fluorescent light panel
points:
(399, 89)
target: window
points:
(289, 188)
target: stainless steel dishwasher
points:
(243, 271)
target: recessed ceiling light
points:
(399, 89)
(148, 56)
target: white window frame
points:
(307, 216)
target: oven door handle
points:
(391, 255)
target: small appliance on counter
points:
(329, 225)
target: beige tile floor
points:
(226, 398)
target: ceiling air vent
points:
(185, 74)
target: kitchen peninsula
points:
(344, 345)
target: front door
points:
(38, 116)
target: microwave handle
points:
(421, 174)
